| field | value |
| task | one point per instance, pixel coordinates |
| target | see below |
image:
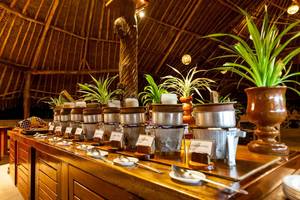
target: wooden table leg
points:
(2, 133)
(5, 142)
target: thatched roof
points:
(61, 41)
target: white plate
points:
(293, 182)
(64, 143)
(84, 147)
(126, 163)
(197, 177)
(94, 155)
(40, 136)
(291, 192)
(55, 139)
(289, 195)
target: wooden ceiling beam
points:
(86, 41)
(74, 72)
(14, 65)
(196, 35)
(178, 36)
(26, 92)
(13, 11)
(45, 31)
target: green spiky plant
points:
(99, 91)
(152, 92)
(262, 62)
(221, 99)
(186, 86)
(53, 102)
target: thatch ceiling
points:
(62, 50)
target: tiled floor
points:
(8, 191)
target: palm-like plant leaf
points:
(185, 86)
(53, 102)
(152, 92)
(262, 65)
(99, 90)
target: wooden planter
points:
(266, 108)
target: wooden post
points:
(126, 28)
(26, 95)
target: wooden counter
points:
(3, 140)
(45, 171)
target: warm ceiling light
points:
(293, 8)
(142, 14)
(186, 59)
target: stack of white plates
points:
(291, 187)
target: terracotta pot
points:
(187, 109)
(266, 108)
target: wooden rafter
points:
(26, 94)
(14, 65)
(86, 42)
(79, 72)
(178, 36)
(45, 31)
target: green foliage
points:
(152, 92)
(54, 101)
(187, 86)
(260, 64)
(99, 90)
(222, 99)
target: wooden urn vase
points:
(266, 108)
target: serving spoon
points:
(180, 172)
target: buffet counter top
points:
(142, 183)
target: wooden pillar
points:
(126, 28)
(26, 95)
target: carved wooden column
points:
(126, 28)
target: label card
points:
(145, 140)
(116, 136)
(58, 129)
(201, 146)
(78, 131)
(98, 133)
(51, 128)
(68, 130)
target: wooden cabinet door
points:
(23, 169)
(85, 186)
(48, 177)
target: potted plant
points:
(55, 103)
(263, 64)
(185, 87)
(99, 91)
(152, 92)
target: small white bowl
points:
(131, 102)
(114, 103)
(168, 99)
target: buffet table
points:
(42, 170)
